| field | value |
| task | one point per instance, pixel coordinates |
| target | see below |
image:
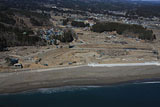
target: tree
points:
(137, 30)
(65, 21)
(3, 43)
(68, 36)
(79, 24)
(35, 22)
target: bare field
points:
(91, 47)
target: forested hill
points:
(17, 21)
(140, 8)
(18, 16)
(145, 9)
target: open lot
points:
(91, 47)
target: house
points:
(90, 22)
(18, 65)
(11, 61)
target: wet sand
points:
(75, 76)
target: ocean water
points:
(145, 94)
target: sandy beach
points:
(75, 76)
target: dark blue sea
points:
(125, 95)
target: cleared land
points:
(91, 47)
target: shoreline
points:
(142, 81)
(76, 76)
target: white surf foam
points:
(64, 89)
(153, 82)
(124, 64)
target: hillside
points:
(20, 18)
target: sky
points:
(150, 0)
(146, 0)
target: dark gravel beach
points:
(78, 76)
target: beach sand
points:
(75, 76)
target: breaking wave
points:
(64, 89)
(152, 82)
